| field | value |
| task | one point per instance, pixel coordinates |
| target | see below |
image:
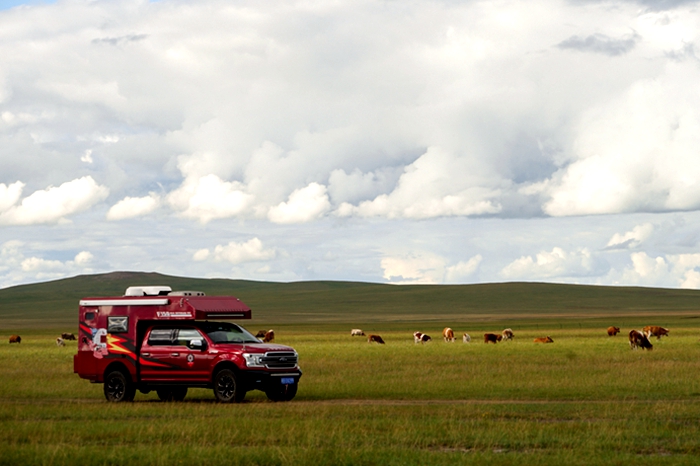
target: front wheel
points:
(282, 393)
(226, 388)
(118, 387)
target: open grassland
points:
(585, 399)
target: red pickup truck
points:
(153, 338)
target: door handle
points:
(175, 354)
(145, 354)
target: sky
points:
(404, 142)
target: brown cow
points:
(261, 334)
(655, 331)
(612, 331)
(269, 336)
(492, 338)
(639, 340)
(507, 334)
(375, 338)
(68, 336)
(448, 334)
(546, 339)
(15, 339)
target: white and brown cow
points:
(356, 332)
(507, 334)
(466, 338)
(639, 340)
(269, 336)
(60, 342)
(448, 334)
(655, 331)
(419, 337)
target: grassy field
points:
(585, 399)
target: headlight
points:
(253, 360)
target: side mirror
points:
(197, 345)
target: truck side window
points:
(89, 315)
(162, 337)
(188, 334)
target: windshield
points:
(224, 332)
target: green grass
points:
(585, 399)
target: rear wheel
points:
(226, 388)
(172, 394)
(282, 393)
(118, 387)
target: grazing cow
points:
(546, 339)
(375, 338)
(261, 334)
(507, 334)
(492, 338)
(356, 332)
(448, 334)
(269, 336)
(639, 340)
(420, 337)
(612, 331)
(68, 336)
(60, 342)
(15, 339)
(655, 331)
(466, 338)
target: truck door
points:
(169, 355)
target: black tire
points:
(226, 388)
(118, 387)
(282, 393)
(172, 393)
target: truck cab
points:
(155, 339)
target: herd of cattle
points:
(637, 339)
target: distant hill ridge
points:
(55, 303)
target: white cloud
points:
(237, 253)
(130, 207)
(208, 198)
(55, 203)
(631, 239)
(427, 268)
(553, 264)
(437, 184)
(304, 205)
(9, 195)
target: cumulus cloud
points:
(636, 153)
(237, 253)
(631, 239)
(209, 197)
(15, 265)
(304, 205)
(130, 207)
(52, 204)
(437, 184)
(427, 268)
(553, 264)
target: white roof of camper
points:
(147, 290)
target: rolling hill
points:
(54, 303)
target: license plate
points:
(287, 380)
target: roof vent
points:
(147, 291)
(186, 293)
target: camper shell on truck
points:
(153, 338)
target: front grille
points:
(280, 360)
